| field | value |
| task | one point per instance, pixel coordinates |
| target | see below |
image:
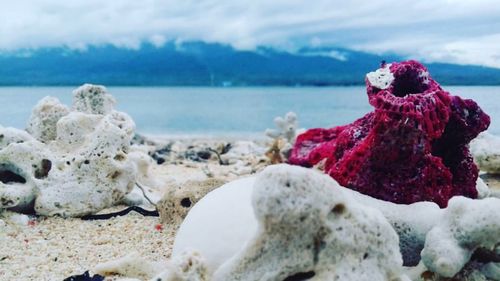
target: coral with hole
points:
(283, 138)
(74, 163)
(412, 147)
(179, 199)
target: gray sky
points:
(457, 31)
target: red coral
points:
(412, 147)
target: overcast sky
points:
(458, 31)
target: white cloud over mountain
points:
(458, 31)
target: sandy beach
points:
(54, 248)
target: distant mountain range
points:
(202, 64)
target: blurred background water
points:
(232, 111)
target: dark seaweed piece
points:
(85, 277)
(144, 212)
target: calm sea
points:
(227, 111)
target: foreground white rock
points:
(414, 224)
(292, 223)
(307, 229)
(296, 227)
(75, 163)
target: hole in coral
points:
(119, 157)
(408, 82)
(339, 209)
(115, 175)
(44, 169)
(300, 276)
(9, 174)
(186, 202)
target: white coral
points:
(81, 169)
(44, 118)
(465, 226)
(486, 151)
(286, 128)
(233, 225)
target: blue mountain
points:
(203, 64)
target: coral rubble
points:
(412, 147)
(74, 162)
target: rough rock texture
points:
(235, 225)
(412, 147)
(93, 99)
(44, 117)
(179, 199)
(82, 169)
(305, 228)
(486, 151)
(466, 226)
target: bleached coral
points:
(283, 137)
(222, 239)
(286, 128)
(93, 99)
(81, 169)
(466, 225)
(486, 151)
(44, 117)
(307, 228)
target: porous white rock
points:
(302, 225)
(465, 226)
(82, 169)
(222, 223)
(44, 118)
(93, 99)
(307, 228)
(486, 152)
(381, 78)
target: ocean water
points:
(235, 112)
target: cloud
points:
(459, 31)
